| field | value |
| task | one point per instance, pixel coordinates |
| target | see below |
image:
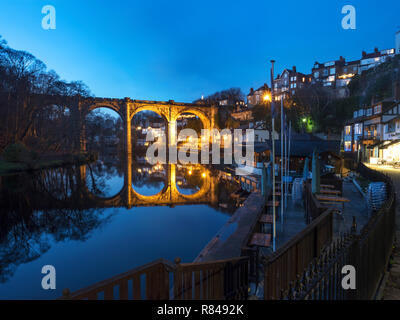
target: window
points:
(331, 78)
(347, 146)
(332, 70)
(355, 114)
(360, 112)
(295, 85)
(316, 74)
(358, 128)
(295, 78)
(347, 130)
(325, 72)
(369, 112)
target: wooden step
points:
(321, 197)
(271, 204)
(266, 218)
(329, 191)
(261, 240)
(327, 186)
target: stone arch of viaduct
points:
(127, 108)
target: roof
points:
(264, 87)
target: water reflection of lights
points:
(203, 175)
(139, 170)
(190, 172)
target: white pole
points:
(286, 168)
(290, 134)
(273, 160)
(273, 186)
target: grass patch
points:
(7, 167)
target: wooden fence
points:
(161, 279)
(313, 207)
(283, 266)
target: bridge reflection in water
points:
(169, 195)
(68, 217)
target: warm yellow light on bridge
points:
(203, 175)
(190, 172)
(267, 97)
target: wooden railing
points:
(313, 208)
(283, 266)
(216, 280)
(161, 279)
(368, 252)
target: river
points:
(95, 221)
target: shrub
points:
(17, 152)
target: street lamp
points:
(267, 97)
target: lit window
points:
(347, 146)
(332, 70)
(378, 109)
(358, 128)
(347, 130)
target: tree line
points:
(28, 120)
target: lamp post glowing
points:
(267, 97)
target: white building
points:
(371, 60)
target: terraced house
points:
(373, 134)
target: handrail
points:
(302, 234)
(283, 266)
(104, 284)
(157, 282)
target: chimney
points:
(364, 54)
(251, 90)
(294, 69)
(376, 50)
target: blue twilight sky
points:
(160, 50)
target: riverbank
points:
(46, 162)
